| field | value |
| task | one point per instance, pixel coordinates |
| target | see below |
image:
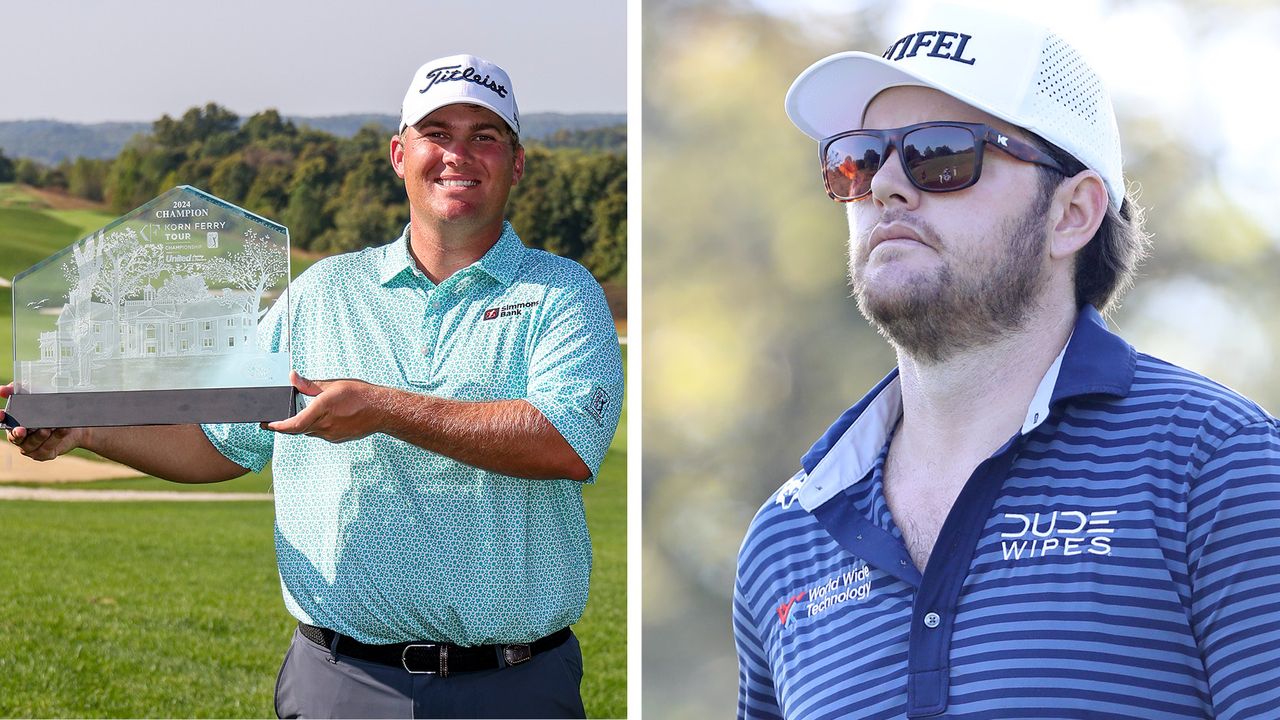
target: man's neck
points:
(972, 402)
(442, 249)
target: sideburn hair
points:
(1106, 266)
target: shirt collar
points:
(500, 262)
(395, 258)
(503, 259)
(1094, 361)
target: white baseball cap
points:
(1009, 67)
(460, 79)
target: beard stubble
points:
(967, 303)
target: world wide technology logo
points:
(851, 584)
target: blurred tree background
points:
(338, 194)
(752, 346)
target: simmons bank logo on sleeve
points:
(1059, 532)
(849, 585)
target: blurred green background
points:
(751, 345)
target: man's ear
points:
(397, 155)
(517, 168)
(1079, 206)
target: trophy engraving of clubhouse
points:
(154, 319)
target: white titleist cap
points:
(460, 79)
(1012, 68)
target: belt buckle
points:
(516, 654)
(442, 670)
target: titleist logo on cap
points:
(455, 73)
(941, 43)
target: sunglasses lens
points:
(940, 158)
(848, 164)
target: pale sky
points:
(91, 61)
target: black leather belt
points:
(427, 658)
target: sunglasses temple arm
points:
(1025, 152)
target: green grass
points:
(12, 195)
(30, 232)
(174, 609)
(29, 235)
(603, 628)
(139, 610)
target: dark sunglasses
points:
(939, 156)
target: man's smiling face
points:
(458, 164)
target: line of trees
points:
(340, 194)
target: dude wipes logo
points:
(1061, 532)
(941, 44)
(503, 311)
(850, 585)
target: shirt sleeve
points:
(575, 372)
(247, 444)
(756, 697)
(1233, 556)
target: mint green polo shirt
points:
(387, 542)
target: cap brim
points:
(831, 95)
(405, 122)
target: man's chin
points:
(897, 309)
(456, 214)
(893, 292)
(918, 323)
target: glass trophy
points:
(154, 320)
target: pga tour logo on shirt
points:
(598, 403)
(1060, 532)
(852, 584)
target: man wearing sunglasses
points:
(1027, 517)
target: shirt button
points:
(932, 620)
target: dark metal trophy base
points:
(150, 407)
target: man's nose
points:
(456, 152)
(890, 184)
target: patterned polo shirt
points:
(1118, 557)
(387, 542)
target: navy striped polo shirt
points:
(1118, 557)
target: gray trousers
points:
(313, 685)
